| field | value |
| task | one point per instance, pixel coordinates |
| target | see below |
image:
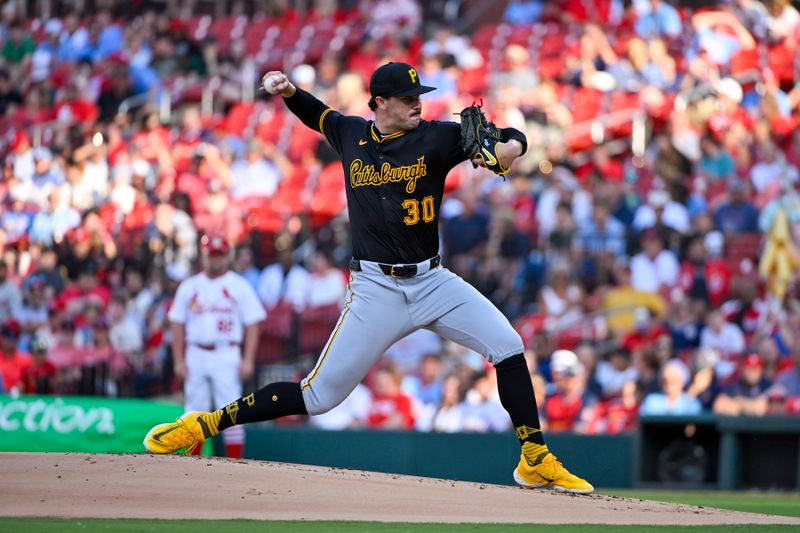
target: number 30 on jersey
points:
(412, 205)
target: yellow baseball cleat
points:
(187, 432)
(551, 474)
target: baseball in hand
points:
(267, 83)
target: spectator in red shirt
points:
(646, 331)
(73, 108)
(13, 364)
(704, 275)
(41, 376)
(152, 141)
(391, 408)
(748, 394)
(87, 289)
(564, 406)
(618, 414)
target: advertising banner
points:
(79, 423)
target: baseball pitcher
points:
(395, 167)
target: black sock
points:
(516, 395)
(272, 401)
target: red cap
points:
(752, 360)
(20, 138)
(215, 244)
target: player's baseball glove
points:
(479, 138)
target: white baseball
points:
(267, 83)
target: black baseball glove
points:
(479, 137)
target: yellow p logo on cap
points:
(413, 75)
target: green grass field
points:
(769, 503)
(777, 503)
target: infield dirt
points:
(144, 486)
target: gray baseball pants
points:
(381, 309)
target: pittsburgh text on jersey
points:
(361, 174)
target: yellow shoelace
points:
(557, 469)
(177, 439)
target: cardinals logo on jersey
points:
(194, 305)
(227, 295)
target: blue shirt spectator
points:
(656, 18)
(16, 221)
(51, 226)
(719, 46)
(716, 162)
(523, 12)
(673, 400)
(110, 41)
(737, 215)
(467, 230)
(74, 42)
(254, 176)
(602, 233)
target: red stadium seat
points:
(551, 68)
(302, 140)
(623, 101)
(529, 326)
(781, 59)
(553, 43)
(315, 327)
(586, 104)
(473, 82)
(484, 36)
(521, 35)
(264, 217)
(270, 125)
(292, 195)
(329, 198)
(238, 119)
(745, 61)
(740, 246)
(276, 332)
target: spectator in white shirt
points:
(351, 413)
(614, 372)
(661, 208)
(564, 187)
(125, 334)
(654, 268)
(771, 168)
(326, 285)
(481, 410)
(782, 19)
(257, 175)
(10, 295)
(722, 335)
(283, 281)
(407, 353)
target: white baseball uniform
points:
(215, 313)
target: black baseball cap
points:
(396, 79)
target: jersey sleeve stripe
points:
(322, 118)
(313, 375)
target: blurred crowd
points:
(645, 247)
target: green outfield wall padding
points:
(606, 461)
(90, 424)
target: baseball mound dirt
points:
(144, 486)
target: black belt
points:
(397, 271)
(212, 347)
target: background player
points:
(395, 168)
(215, 326)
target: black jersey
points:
(394, 183)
